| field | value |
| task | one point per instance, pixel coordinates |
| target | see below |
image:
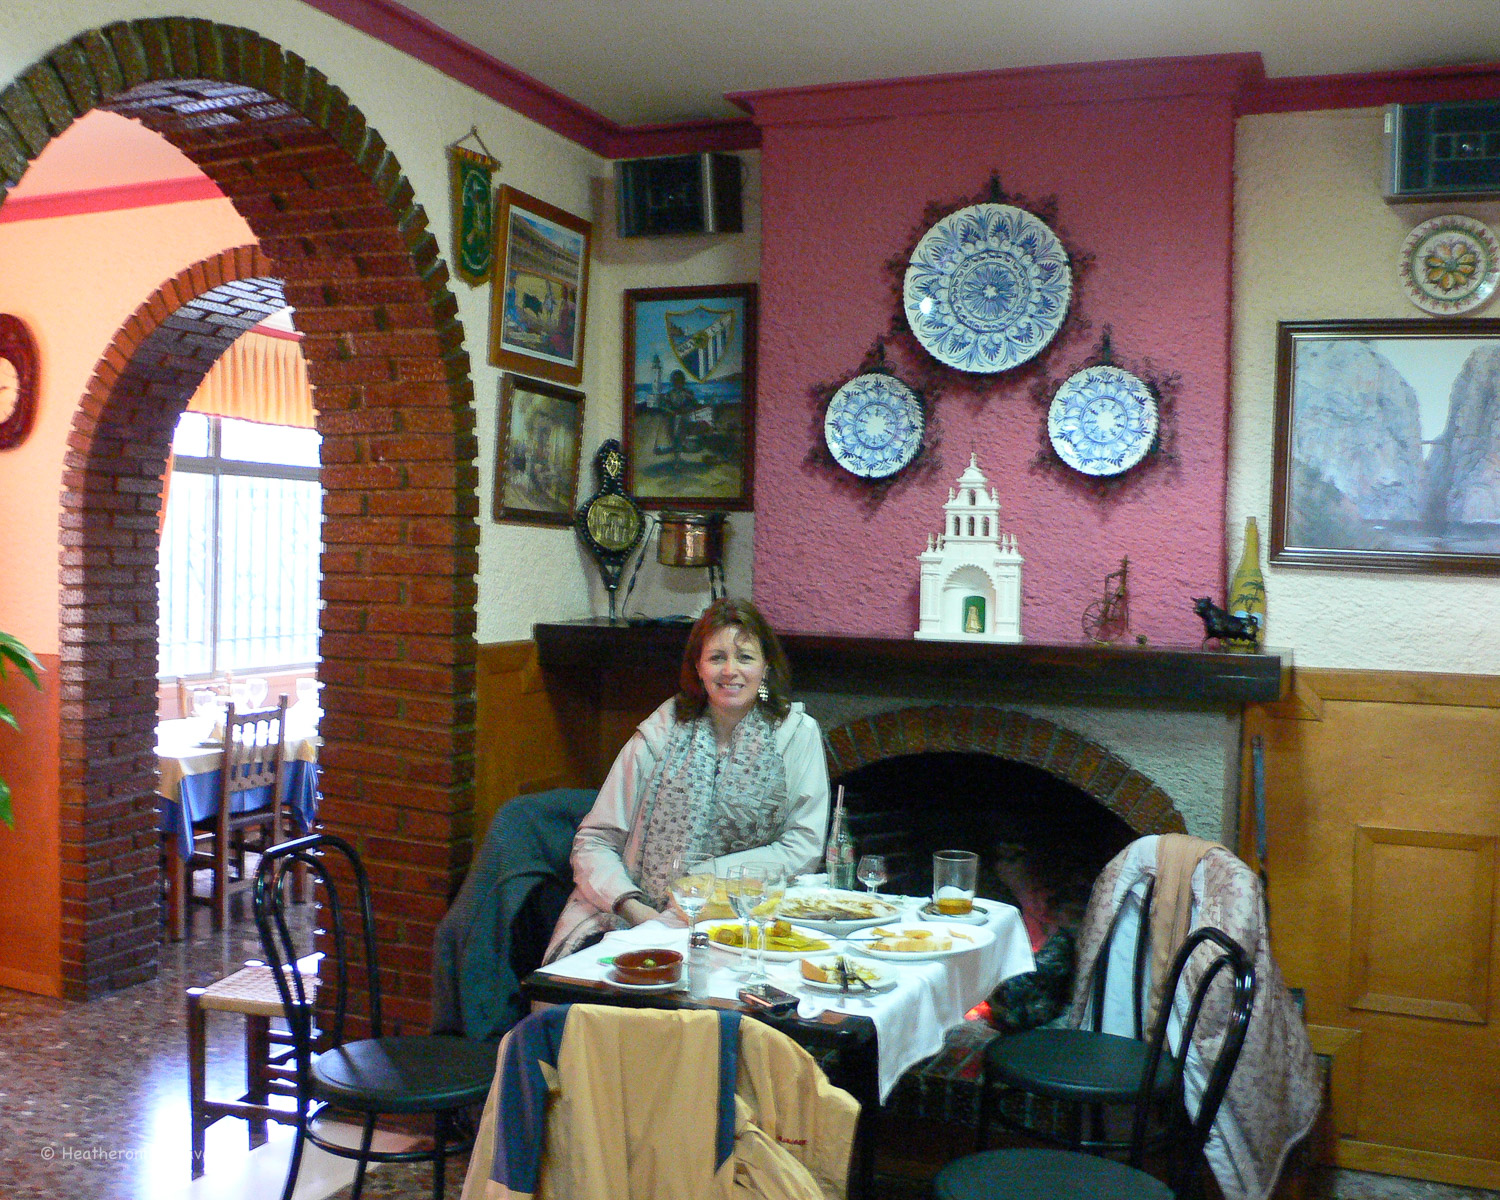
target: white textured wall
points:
(1315, 241)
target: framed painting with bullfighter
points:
(690, 395)
(539, 297)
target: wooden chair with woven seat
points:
(1157, 1123)
(370, 1076)
(1078, 1074)
(251, 993)
(252, 794)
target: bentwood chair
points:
(334, 1071)
(1058, 1084)
(1158, 1123)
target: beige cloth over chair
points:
(632, 1108)
(1274, 1094)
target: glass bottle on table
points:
(838, 858)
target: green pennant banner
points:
(473, 213)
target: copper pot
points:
(691, 539)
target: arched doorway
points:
(337, 224)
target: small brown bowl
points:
(648, 966)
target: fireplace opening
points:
(1041, 841)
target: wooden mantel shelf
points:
(943, 670)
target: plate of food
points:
(785, 942)
(836, 911)
(821, 974)
(916, 943)
(980, 914)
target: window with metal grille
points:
(239, 569)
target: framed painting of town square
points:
(690, 396)
(540, 290)
(1386, 453)
(536, 456)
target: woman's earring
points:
(763, 692)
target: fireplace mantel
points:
(911, 668)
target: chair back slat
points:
(254, 749)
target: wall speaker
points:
(687, 193)
(1442, 151)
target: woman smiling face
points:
(731, 666)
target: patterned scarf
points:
(703, 802)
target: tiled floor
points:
(93, 1104)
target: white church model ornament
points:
(971, 572)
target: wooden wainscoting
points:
(544, 729)
(1383, 812)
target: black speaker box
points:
(687, 193)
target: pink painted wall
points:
(1140, 157)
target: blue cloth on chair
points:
(476, 986)
(198, 799)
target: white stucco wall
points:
(1314, 240)
(526, 574)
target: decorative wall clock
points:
(610, 523)
(1102, 420)
(987, 288)
(874, 425)
(18, 381)
(1450, 265)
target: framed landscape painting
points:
(541, 287)
(1388, 445)
(536, 456)
(690, 396)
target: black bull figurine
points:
(1225, 625)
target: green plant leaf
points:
(9, 719)
(5, 813)
(13, 651)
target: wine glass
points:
(872, 872)
(239, 692)
(772, 891)
(746, 884)
(692, 886)
(256, 688)
(307, 691)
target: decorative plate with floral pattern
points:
(874, 425)
(1102, 421)
(1450, 265)
(987, 288)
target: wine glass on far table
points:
(772, 892)
(872, 872)
(256, 689)
(692, 886)
(746, 885)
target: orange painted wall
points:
(73, 280)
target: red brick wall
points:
(1008, 734)
(339, 229)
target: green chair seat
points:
(1044, 1175)
(405, 1074)
(1076, 1065)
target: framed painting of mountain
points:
(1387, 451)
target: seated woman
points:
(728, 767)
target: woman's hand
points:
(635, 910)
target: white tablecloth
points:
(910, 1019)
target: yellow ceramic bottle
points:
(1247, 590)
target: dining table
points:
(189, 764)
(873, 1037)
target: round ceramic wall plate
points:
(1102, 421)
(1450, 265)
(988, 287)
(874, 425)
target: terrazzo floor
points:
(93, 1104)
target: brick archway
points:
(338, 225)
(1006, 733)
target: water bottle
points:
(839, 856)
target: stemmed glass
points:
(746, 885)
(692, 886)
(872, 872)
(256, 690)
(772, 892)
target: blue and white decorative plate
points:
(1102, 421)
(874, 425)
(988, 288)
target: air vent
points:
(687, 193)
(1442, 151)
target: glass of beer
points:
(954, 873)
